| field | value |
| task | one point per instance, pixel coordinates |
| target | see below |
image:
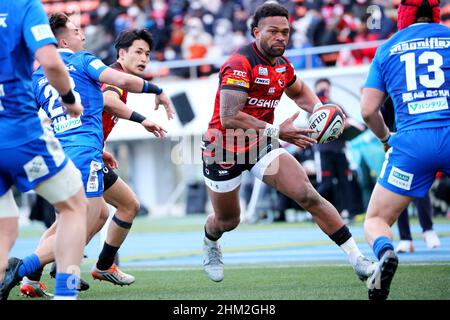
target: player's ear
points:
(63, 43)
(122, 52)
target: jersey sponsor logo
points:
(96, 64)
(62, 124)
(93, 183)
(3, 17)
(400, 178)
(281, 69)
(41, 32)
(71, 68)
(263, 71)
(271, 90)
(239, 73)
(265, 103)
(428, 105)
(36, 168)
(236, 82)
(262, 81)
(419, 44)
(411, 96)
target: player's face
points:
(74, 38)
(137, 57)
(272, 35)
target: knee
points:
(104, 214)
(130, 209)
(308, 198)
(228, 224)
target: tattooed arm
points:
(232, 103)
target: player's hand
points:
(154, 128)
(164, 100)
(109, 160)
(297, 136)
(74, 109)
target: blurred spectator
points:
(336, 181)
(316, 23)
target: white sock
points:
(210, 242)
(352, 250)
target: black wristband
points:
(137, 117)
(68, 98)
(151, 88)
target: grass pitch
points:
(258, 282)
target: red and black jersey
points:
(109, 121)
(248, 70)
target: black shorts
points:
(109, 177)
(230, 168)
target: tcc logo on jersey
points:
(3, 20)
(239, 73)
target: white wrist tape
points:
(272, 131)
(386, 138)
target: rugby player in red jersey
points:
(241, 136)
(133, 54)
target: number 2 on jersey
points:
(426, 80)
(52, 93)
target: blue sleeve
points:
(36, 30)
(375, 77)
(93, 65)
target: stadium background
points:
(330, 39)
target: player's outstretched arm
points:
(303, 96)
(371, 102)
(58, 77)
(135, 84)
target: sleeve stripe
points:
(111, 88)
(234, 88)
(292, 81)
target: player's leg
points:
(119, 195)
(283, 172)
(223, 182)
(425, 214)
(384, 208)
(406, 174)
(9, 214)
(404, 231)
(43, 166)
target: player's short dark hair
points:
(126, 38)
(268, 10)
(58, 21)
(326, 80)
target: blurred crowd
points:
(195, 29)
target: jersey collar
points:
(65, 50)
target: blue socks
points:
(66, 284)
(29, 265)
(380, 245)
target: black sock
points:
(106, 257)
(210, 237)
(341, 236)
(36, 276)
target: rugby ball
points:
(328, 122)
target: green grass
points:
(327, 281)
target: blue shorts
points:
(27, 165)
(414, 159)
(89, 161)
